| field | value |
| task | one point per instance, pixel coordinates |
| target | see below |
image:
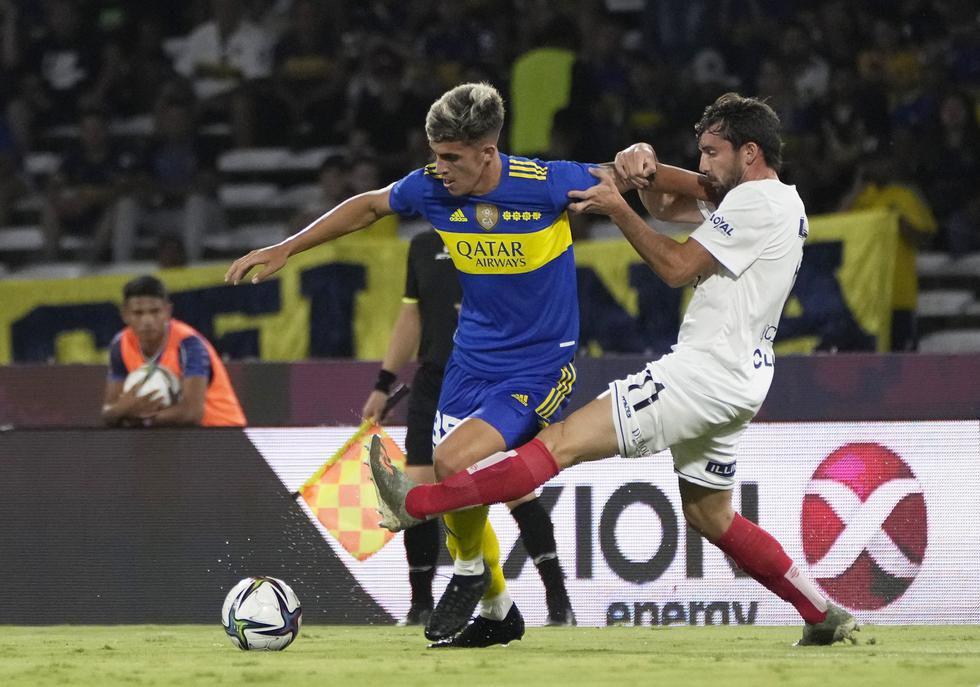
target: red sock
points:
(756, 552)
(501, 477)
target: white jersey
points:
(756, 234)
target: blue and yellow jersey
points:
(513, 250)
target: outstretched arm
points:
(353, 214)
(668, 193)
(676, 263)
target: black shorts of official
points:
(422, 405)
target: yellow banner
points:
(855, 252)
(341, 299)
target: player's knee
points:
(441, 466)
(556, 441)
(712, 523)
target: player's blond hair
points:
(468, 113)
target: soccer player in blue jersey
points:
(503, 220)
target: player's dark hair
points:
(469, 113)
(740, 120)
(146, 285)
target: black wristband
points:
(385, 380)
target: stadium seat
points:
(966, 266)
(140, 126)
(931, 264)
(134, 267)
(52, 270)
(951, 341)
(41, 164)
(4, 270)
(247, 237)
(298, 196)
(31, 204)
(251, 195)
(311, 158)
(943, 302)
(21, 239)
(250, 160)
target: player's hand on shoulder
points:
(374, 406)
(272, 257)
(603, 199)
(636, 164)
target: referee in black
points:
(426, 324)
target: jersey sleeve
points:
(407, 194)
(736, 232)
(117, 368)
(564, 176)
(194, 358)
(411, 294)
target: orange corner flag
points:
(342, 496)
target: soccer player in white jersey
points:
(698, 399)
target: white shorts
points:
(674, 403)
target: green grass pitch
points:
(191, 655)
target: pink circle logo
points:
(864, 526)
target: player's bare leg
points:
(588, 434)
(755, 551)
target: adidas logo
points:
(458, 216)
(521, 398)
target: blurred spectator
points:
(365, 175)
(384, 109)
(879, 184)
(952, 170)
(58, 66)
(331, 189)
(176, 190)
(13, 181)
(889, 60)
(308, 74)
(134, 70)
(806, 69)
(89, 190)
(600, 90)
(9, 38)
(223, 58)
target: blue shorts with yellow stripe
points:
(517, 407)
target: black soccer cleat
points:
(483, 632)
(457, 604)
(560, 611)
(418, 614)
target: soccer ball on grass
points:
(261, 613)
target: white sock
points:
(496, 608)
(471, 567)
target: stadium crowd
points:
(139, 100)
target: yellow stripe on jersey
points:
(430, 170)
(508, 253)
(558, 394)
(528, 165)
(409, 301)
(525, 169)
(538, 177)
